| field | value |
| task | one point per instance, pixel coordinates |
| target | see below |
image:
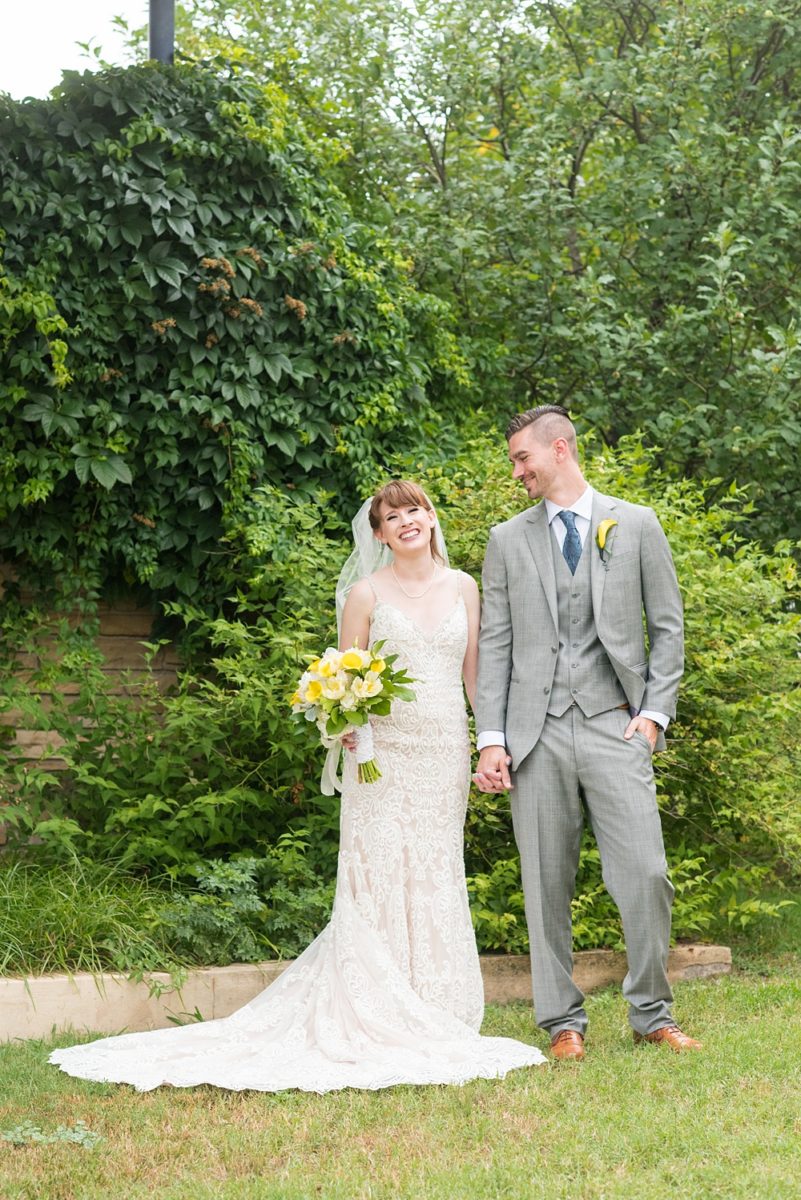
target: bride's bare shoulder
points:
(361, 595)
(467, 583)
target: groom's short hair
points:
(548, 422)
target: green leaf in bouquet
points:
(381, 707)
(357, 717)
(405, 693)
(337, 723)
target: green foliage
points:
(606, 191)
(219, 922)
(250, 909)
(160, 783)
(298, 894)
(497, 908)
(80, 916)
(187, 311)
(219, 770)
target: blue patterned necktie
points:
(571, 547)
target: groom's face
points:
(533, 463)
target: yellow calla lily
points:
(351, 660)
(603, 531)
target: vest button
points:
(575, 620)
(554, 650)
(546, 690)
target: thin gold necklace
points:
(414, 595)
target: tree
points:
(607, 192)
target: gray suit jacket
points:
(634, 589)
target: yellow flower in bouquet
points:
(339, 691)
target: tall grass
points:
(79, 916)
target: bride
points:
(390, 992)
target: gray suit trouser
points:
(575, 757)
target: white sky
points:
(38, 39)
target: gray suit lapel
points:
(538, 536)
(602, 507)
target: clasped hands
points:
(492, 772)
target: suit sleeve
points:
(664, 618)
(494, 643)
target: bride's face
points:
(406, 528)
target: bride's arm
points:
(470, 665)
(356, 616)
(356, 628)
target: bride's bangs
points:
(403, 493)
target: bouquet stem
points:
(368, 772)
(367, 768)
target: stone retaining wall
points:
(38, 1007)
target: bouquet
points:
(339, 691)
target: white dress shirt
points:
(582, 511)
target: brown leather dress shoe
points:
(568, 1044)
(669, 1035)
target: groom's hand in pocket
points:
(492, 773)
(648, 728)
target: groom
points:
(569, 695)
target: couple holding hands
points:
(571, 663)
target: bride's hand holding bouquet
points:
(341, 689)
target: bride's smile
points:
(406, 528)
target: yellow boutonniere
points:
(603, 533)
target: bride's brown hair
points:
(402, 493)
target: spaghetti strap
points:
(372, 587)
(458, 583)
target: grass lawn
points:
(642, 1123)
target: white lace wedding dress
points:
(390, 992)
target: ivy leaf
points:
(169, 274)
(39, 409)
(276, 365)
(181, 226)
(82, 469)
(110, 470)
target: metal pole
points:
(162, 30)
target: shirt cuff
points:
(491, 737)
(658, 717)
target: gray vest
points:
(584, 675)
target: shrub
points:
(219, 923)
(187, 310)
(161, 783)
(251, 908)
(217, 770)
